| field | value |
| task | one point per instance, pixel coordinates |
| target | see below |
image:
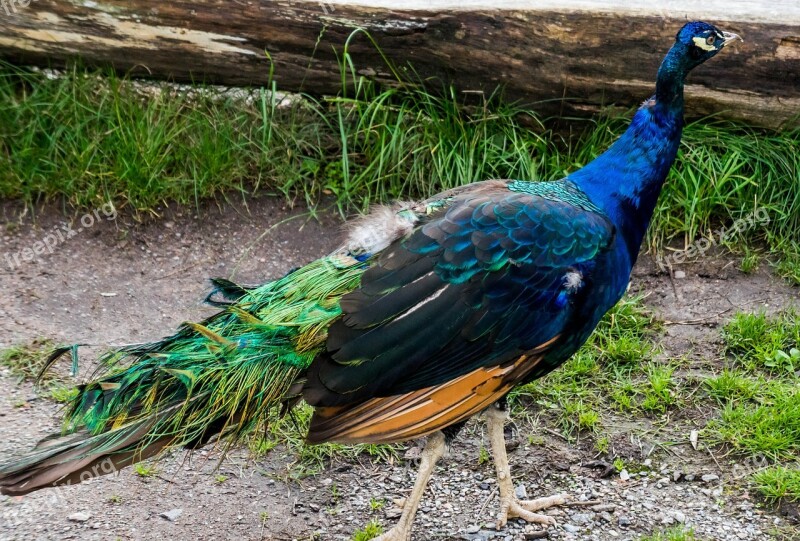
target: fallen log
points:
(570, 57)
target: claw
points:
(525, 509)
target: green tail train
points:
(217, 379)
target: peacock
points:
(429, 313)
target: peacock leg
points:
(510, 506)
(434, 450)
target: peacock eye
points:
(710, 40)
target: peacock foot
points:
(511, 507)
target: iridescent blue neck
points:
(671, 74)
(626, 180)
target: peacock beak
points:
(729, 37)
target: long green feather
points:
(226, 374)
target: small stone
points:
(624, 475)
(689, 477)
(521, 492)
(680, 275)
(676, 476)
(571, 528)
(680, 517)
(393, 512)
(624, 521)
(473, 528)
(79, 517)
(172, 515)
(710, 478)
(582, 518)
(539, 534)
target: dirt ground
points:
(119, 281)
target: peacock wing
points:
(483, 283)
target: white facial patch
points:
(701, 42)
(572, 281)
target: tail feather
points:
(219, 378)
(226, 293)
(78, 457)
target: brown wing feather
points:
(417, 413)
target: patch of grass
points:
(483, 456)
(767, 424)
(658, 395)
(371, 530)
(758, 341)
(678, 533)
(576, 415)
(614, 370)
(145, 470)
(719, 167)
(335, 493)
(91, 138)
(731, 385)
(25, 360)
(260, 445)
(602, 445)
(311, 459)
(94, 137)
(759, 397)
(750, 261)
(778, 483)
(789, 265)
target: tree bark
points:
(564, 60)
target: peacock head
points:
(699, 41)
